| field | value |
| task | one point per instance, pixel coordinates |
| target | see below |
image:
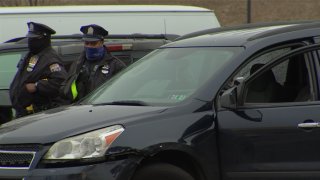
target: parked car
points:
(239, 103)
(128, 48)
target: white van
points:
(117, 19)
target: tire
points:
(162, 171)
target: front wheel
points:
(161, 171)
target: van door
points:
(274, 131)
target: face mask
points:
(93, 54)
(36, 45)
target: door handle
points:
(309, 125)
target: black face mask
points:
(37, 44)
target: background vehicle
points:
(117, 19)
(239, 103)
(128, 48)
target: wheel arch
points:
(177, 158)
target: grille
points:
(16, 159)
(17, 156)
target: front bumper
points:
(105, 171)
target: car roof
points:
(245, 34)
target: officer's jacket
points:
(88, 75)
(47, 70)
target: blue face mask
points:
(94, 54)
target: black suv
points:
(233, 103)
(128, 48)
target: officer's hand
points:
(31, 87)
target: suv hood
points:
(59, 123)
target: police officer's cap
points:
(93, 32)
(37, 29)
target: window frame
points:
(309, 51)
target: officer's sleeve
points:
(50, 86)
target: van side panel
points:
(15, 25)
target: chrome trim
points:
(309, 125)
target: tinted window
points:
(259, 59)
(288, 81)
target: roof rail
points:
(111, 36)
(287, 29)
(242, 26)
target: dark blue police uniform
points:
(43, 69)
(94, 66)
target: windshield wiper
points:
(125, 103)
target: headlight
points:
(90, 145)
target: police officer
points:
(94, 67)
(40, 73)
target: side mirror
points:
(229, 98)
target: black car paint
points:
(105, 170)
(198, 131)
(66, 117)
(218, 141)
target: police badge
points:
(55, 67)
(32, 63)
(105, 69)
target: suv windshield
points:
(164, 77)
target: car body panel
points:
(272, 147)
(109, 171)
(79, 117)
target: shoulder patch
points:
(55, 67)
